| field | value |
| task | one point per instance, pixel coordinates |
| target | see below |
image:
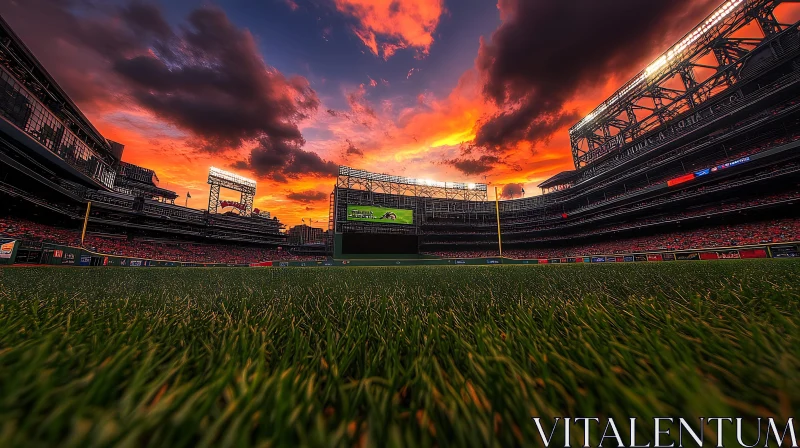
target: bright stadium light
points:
(430, 183)
(352, 172)
(671, 55)
(222, 174)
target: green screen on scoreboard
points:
(380, 215)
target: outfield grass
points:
(387, 356)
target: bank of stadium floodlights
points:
(356, 179)
(650, 99)
(219, 179)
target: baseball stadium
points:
(658, 277)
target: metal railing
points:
(22, 109)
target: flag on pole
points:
(523, 192)
(188, 195)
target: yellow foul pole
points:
(85, 221)
(497, 209)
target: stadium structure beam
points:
(213, 199)
(615, 124)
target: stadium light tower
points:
(219, 179)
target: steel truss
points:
(670, 87)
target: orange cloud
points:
(386, 26)
(449, 121)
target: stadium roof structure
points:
(646, 102)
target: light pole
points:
(497, 209)
(85, 221)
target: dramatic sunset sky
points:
(284, 91)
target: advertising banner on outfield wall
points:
(70, 257)
(786, 251)
(753, 253)
(7, 251)
(380, 215)
(263, 264)
(640, 257)
(668, 257)
(691, 256)
(654, 257)
(729, 255)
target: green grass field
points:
(387, 356)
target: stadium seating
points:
(109, 244)
(784, 230)
(672, 216)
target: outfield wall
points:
(17, 252)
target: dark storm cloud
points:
(212, 81)
(147, 18)
(282, 159)
(352, 150)
(307, 197)
(471, 166)
(545, 52)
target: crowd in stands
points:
(678, 216)
(784, 230)
(109, 244)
